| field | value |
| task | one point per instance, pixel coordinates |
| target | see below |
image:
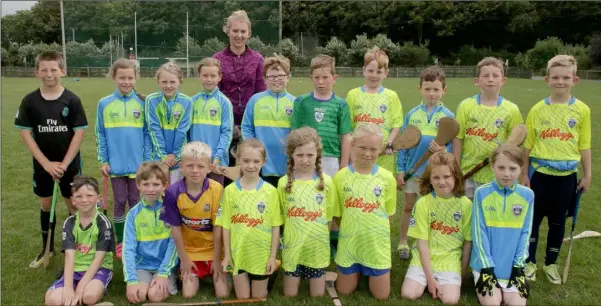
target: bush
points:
(470, 55)
(580, 52)
(412, 55)
(337, 49)
(193, 47)
(543, 51)
(212, 46)
(594, 49)
(287, 48)
(265, 49)
(359, 47)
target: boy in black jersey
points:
(52, 123)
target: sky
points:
(11, 7)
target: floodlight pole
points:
(136, 34)
(63, 36)
(187, 52)
(280, 27)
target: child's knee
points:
(155, 297)
(410, 294)
(53, 299)
(243, 295)
(450, 299)
(189, 292)
(408, 206)
(490, 300)
(381, 294)
(222, 290)
(91, 297)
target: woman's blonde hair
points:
(366, 129)
(124, 63)
(209, 62)
(299, 138)
(378, 55)
(173, 69)
(442, 159)
(239, 15)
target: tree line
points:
(413, 32)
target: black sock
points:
(52, 227)
(44, 224)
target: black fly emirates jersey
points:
(53, 124)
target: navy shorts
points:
(363, 270)
(306, 272)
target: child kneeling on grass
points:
(88, 244)
(148, 248)
(441, 224)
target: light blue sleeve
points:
(170, 259)
(481, 256)
(101, 147)
(155, 130)
(521, 253)
(248, 120)
(130, 244)
(226, 132)
(181, 131)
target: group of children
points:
(317, 170)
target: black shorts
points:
(306, 272)
(254, 277)
(43, 184)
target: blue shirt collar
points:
(374, 170)
(548, 101)
(499, 100)
(259, 185)
(123, 97)
(276, 94)
(380, 90)
(503, 190)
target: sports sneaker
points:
(119, 250)
(530, 271)
(404, 251)
(37, 262)
(552, 272)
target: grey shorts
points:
(147, 277)
(470, 187)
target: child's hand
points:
(133, 293)
(104, 169)
(79, 294)
(187, 267)
(389, 149)
(68, 296)
(236, 132)
(162, 284)
(435, 148)
(271, 266)
(55, 169)
(226, 264)
(585, 184)
(400, 181)
(170, 161)
(434, 289)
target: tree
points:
(594, 49)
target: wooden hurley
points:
(218, 302)
(330, 280)
(517, 137)
(409, 139)
(448, 129)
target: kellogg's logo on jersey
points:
(360, 204)
(443, 228)
(368, 119)
(243, 218)
(482, 133)
(301, 212)
(83, 249)
(556, 133)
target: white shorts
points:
(444, 278)
(175, 175)
(330, 165)
(147, 277)
(470, 187)
(502, 283)
(411, 186)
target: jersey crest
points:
(65, 112)
(136, 113)
(318, 116)
(319, 198)
(261, 207)
(383, 108)
(213, 112)
(571, 122)
(517, 209)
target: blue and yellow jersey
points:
(267, 117)
(213, 123)
(427, 123)
(147, 243)
(168, 123)
(556, 134)
(501, 222)
(382, 108)
(122, 139)
(482, 129)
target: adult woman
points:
(242, 68)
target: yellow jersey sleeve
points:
(396, 108)
(390, 197)
(584, 140)
(466, 227)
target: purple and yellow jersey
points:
(482, 129)
(195, 215)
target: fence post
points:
(88, 72)
(586, 78)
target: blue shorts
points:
(363, 270)
(306, 272)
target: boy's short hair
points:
(563, 60)
(209, 62)
(50, 56)
(196, 150)
(83, 180)
(323, 61)
(152, 169)
(432, 74)
(491, 61)
(378, 55)
(276, 62)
